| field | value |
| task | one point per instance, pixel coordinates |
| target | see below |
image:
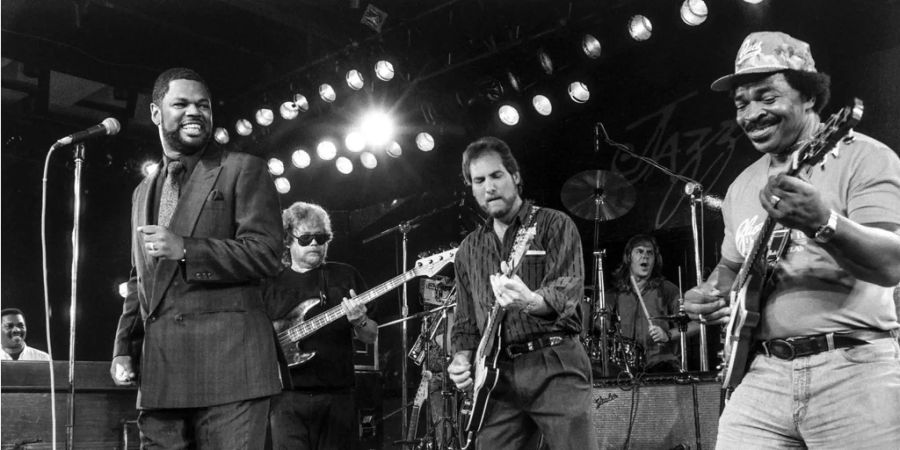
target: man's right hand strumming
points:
(460, 370)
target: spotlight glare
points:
(368, 160)
(591, 46)
(394, 150)
(753, 2)
(542, 105)
(425, 141)
(355, 141)
(326, 150)
(123, 289)
(264, 116)
(579, 92)
(377, 127)
(344, 165)
(694, 12)
(276, 167)
(222, 136)
(301, 102)
(355, 80)
(640, 28)
(282, 185)
(327, 92)
(301, 159)
(545, 61)
(384, 70)
(149, 168)
(508, 114)
(243, 127)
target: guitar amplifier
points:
(656, 416)
(435, 290)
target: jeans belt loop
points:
(829, 338)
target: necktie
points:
(168, 199)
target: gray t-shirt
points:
(812, 293)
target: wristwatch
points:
(826, 232)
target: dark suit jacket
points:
(199, 327)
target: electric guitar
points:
(300, 328)
(421, 395)
(755, 274)
(486, 372)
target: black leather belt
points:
(796, 347)
(547, 340)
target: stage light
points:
(344, 165)
(377, 127)
(508, 114)
(640, 28)
(384, 70)
(264, 116)
(291, 109)
(546, 61)
(425, 141)
(355, 80)
(753, 2)
(276, 167)
(694, 12)
(221, 135)
(282, 185)
(542, 105)
(301, 159)
(326, 92)
(368, 160)
(579, 92)
(326, 150)
(514, 81)
(394, 150)
(123, 289)
(355, 141)
(243, 127)
(149, 168)
(591, 46)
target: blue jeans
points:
(843, 399)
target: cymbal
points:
(597, 195)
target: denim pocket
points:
(875, 352)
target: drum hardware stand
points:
(695, 192)
(404, 228)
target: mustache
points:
(760, 123)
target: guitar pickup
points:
(535, 253)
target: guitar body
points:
(746, 309)
(292, 352)
(487, 374)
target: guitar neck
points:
(307, 328)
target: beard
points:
(173, 139)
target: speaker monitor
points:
(656, 416)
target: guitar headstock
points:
(431, 265)
(422, 392)
(837, 126)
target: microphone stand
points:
(704, 364)
(70, 418)
(404, 228)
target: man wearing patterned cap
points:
(823, 364)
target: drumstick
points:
(637, 291)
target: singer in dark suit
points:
(193, 333)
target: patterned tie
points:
(168, 199)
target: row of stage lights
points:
(640, 28)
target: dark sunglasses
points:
(307, 239)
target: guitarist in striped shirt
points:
(544, 384)
(823, 368)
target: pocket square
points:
(215, 196)
(535, 253)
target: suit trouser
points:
(232, 426)
(546, 391)
(302, 420)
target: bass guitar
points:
(486, 372)
(754, 277)
(300, 328)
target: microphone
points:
(692, 188)
(710, 201)
(109, 127)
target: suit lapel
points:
(184, 219)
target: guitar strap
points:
(520, 234)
